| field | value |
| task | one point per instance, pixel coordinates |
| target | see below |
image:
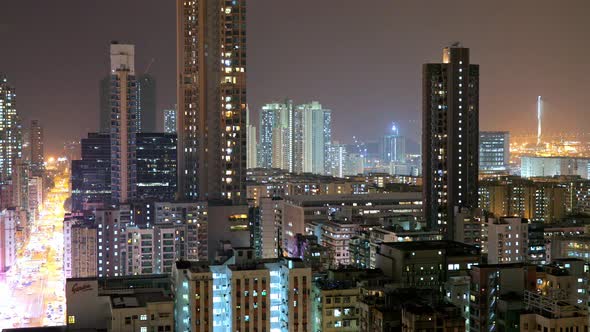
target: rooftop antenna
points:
(539, 113)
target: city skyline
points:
(536, 40)
(180, 214)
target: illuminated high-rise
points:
(37, 151)
(315, 124)
(450, 137)
(296, 138)
(211, 74)
(146, 103)
(276, 132)
(124, 122)
(393, 146)
(251, 145)
(494, 151)
(10, 130)
(170, 121)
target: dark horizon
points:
(363, 62)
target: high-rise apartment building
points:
(316, 126)
(10, 130)
(156, 166)
(91, 176)
(170, 121)
(80, 247)
(124, 122)
(211, 65)
(37, 151)
(450, 136)
(251, 145)
(248, 295)
(393, 146)
(276, 136)
(494, 151)
(297, 139)
(533, 166)
(146, 103)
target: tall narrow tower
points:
(37, 151)
(251, 145)
(450, 137)
(10, 131)
(124, 121)
(211, 67)
(539, 115)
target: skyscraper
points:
(494, 151)
(10, 130)
(170, 121)
(156, 166)
(450, 136)
(296, 139)
(251, 145)
(91, 176)
(211, 66)
(276, 135)
(146, 103)
(393, 146)
(315, 123)
(37, 151)
(124, 122)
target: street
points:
(33, 289)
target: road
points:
(35, 285)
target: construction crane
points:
(147, 69)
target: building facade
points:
(146, 103)
(10, 130)
(393, 146)
(252, 144)
(170, 121)
(276, 135)
(494, 151)
(156, 157)
(507, 240)
(91, 176)
(532, 166)
(211, 65)
(450, 136)
(125, 122)
(37, 151)
(246, 294)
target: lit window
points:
(71, 319)
(143, 317)
(143, 329)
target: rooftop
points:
(139, 299)
(353, 198)
(451, 247)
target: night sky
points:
(362, 59)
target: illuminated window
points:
(143, 329)
(143, 317)
(71, 319)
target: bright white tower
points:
(539, 113)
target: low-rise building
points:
(551, 313)
(337, 294)
(496, 295)
(128, 304)
(426, 264)
(443, 317)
